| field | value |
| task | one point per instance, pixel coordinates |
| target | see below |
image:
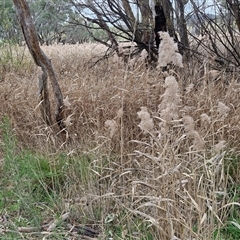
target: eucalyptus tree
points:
(9, 29)
(51, 19)
(44, 63)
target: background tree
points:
(51, 19)
(123, 20)
(181, 21)
(9, 29)
(111, 21)
(219, 33)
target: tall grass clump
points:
(179, 187)
(37, 188)
(14, 59)
(148, 154)
(29, 185)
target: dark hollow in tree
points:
(160, 23)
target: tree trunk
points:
(182, 22)
(147, 21)
(168, 12)
(160, 23)
(129, 12)
(235, 7)
(30, 35)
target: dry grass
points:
(169, 182)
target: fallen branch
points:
(47, 229)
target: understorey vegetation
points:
(147, 154)
(148, 146)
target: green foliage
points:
(28, 180)
(98, 33)
(231, 230)
(9, 28)
(119, 226)
(9, 141)
(53, 22)
(31, 184)
(13, 58)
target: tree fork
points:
(41, 60)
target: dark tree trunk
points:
(160, 23)
(168, 12)
(31, 38)
(182, 23)
(235, 7)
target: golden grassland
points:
(170, 182)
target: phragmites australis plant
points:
(147, 156)
(168, 51)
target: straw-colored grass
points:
(144, 159)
